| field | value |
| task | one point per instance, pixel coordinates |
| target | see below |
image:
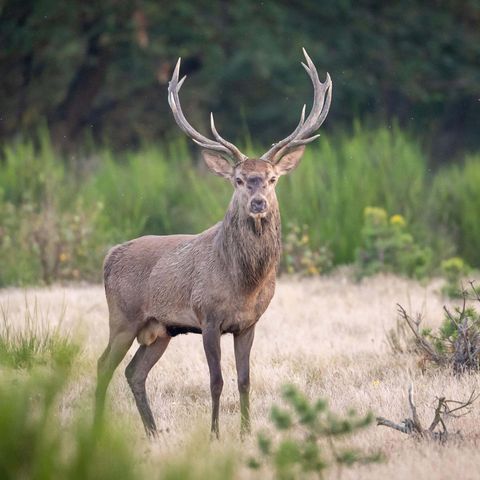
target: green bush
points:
(457, 341)
(387, 246)
(310, 438)
(455, 344)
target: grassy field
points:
(325, 335)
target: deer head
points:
(255, 180)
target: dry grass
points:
(327, 336)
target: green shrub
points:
(387, 246)
(455, 344)
(300, 257)
(457, 341)
(309, 438)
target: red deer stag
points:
(219, 281)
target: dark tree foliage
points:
(102, 68)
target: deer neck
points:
(250, 248)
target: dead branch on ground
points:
(437, 430)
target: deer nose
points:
(258, 205)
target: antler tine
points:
(322, 97)
(238, 154)
(278, 146)
(318, 112)
(220, 145)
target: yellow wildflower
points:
(397, 220)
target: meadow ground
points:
(326, 335)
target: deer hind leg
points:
(137, 371)
(117, 348)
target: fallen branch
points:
(437, 430)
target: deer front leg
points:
(242, 345)
(211, 344)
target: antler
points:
(305, 128)
(220, 145)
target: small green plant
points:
(299, 255)
(310, 436)
(454, 270)
(387, 246)
(456, 343)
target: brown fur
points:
(228, 267)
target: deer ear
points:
(290, 160)
(217, 164)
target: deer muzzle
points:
(258, 205)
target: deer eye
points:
(239, 181)
(273, 180)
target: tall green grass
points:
(155, 191)
(338, 178)
(58, 216)
(454, 207)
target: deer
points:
(217, 282)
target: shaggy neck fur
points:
(250, 248)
